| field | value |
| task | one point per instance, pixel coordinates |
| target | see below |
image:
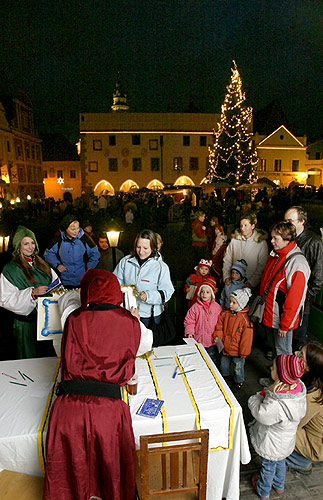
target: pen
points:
(17, 383)
(175, 371)
(6, 374)
(188, 371)
(21, 374)
(28, 377)
(187, 354)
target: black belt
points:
(89, 388)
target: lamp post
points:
(113, 240)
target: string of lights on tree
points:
(233, 157)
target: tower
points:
(119, 98)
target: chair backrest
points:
(182, 467)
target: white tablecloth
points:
(195, 400)
(198, 399)
(24, 412)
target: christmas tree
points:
(233, 158)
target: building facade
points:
(20, 148)
(122, 150)
(60, 177)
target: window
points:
(295, 165)
(178, 163)
(45, 174)
(153, 144)
(97, 145)
(202, 140)
(154, 164)
(186, 140)
(136, 164)
(113, 164)
(72, 174)
(136, 140)
(8, 146)
(194, 163)
(18, 150)
(262, 164)
(277, 165)
(93, 166)
(27, 150)
(59, 174)
(112, 140)
(33, 152)
(38, 153)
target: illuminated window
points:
(194, 163)
(113, 164)
(136, 164)
(97, 145)
(295, 165)
(262, 165)
(136, 140)
(154, 164)
(202, 140)
(186, 140)
(112, 140)
(277, 165)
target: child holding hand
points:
(235, 330)
(277, 410)
(202, 317)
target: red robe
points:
(90, 442)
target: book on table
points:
(150, 407)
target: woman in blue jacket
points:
(72, 252)
(151, 276)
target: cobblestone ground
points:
(297, 486)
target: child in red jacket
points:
(235, 330)
(202, 271)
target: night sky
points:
(67, 53)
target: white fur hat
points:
(242, 296)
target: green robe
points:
(25, 327)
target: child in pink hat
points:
(202, 317)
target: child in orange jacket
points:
(235, 330)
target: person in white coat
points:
(277, 411)
(249, 244)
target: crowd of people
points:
(231, 269)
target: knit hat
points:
(240, 266)
(23, 232)
(68, 219)
(204, 262)
(242, 296)
(289, 368)
(210, 283)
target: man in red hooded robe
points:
(90, 444)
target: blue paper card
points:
(54, 284)
(150, 407)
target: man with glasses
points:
(312, 247)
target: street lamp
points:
(113, 240)
(4, 243)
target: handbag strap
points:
(280, 267)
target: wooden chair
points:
(176, 469)
(16, 486)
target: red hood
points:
(100, 287)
